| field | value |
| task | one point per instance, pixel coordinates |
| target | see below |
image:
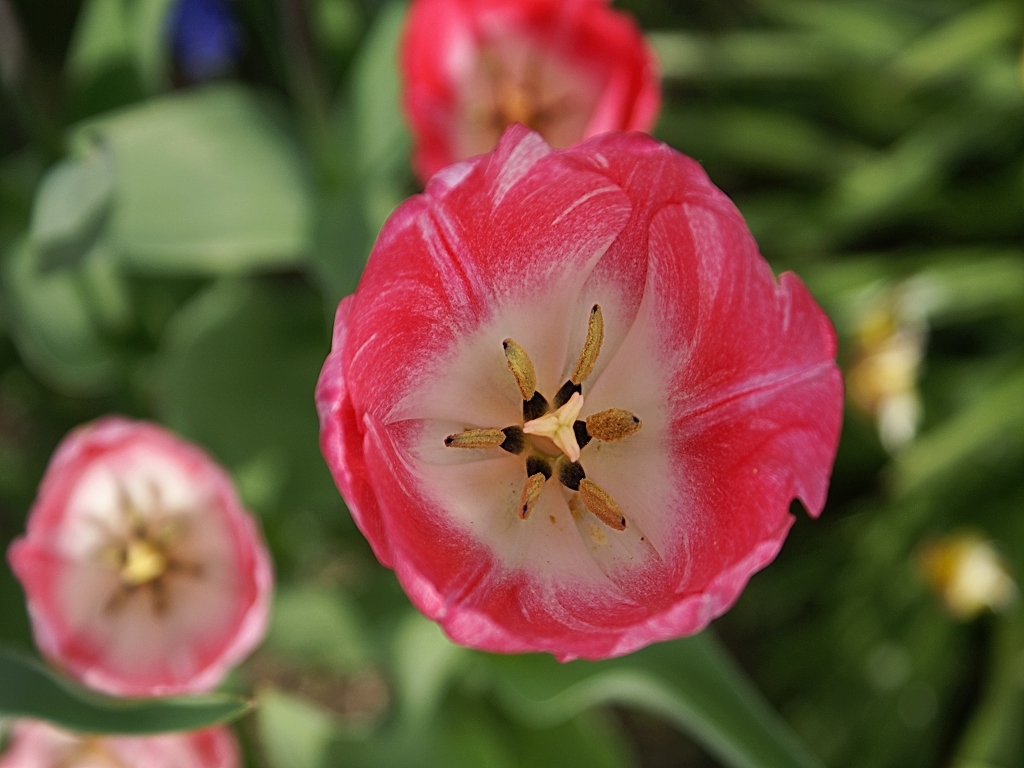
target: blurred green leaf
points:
(207, 184)
(149, 41)
(426, 662)
(101, 39)
(49, 318)
(101, 72)
(742, 55)
(993, 416)
(872, 32)
(690, 682)
(293, 733)
(31, 690)
(758, 139)
(586, 741)
(974, 283)
(236, 373)
(319, 627)
(71, 207)
(382, 139)
(948, 49)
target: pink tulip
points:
(570, 405)
(143, 573)
(37, 745)
(570, 69)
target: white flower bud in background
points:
(968, 574)
(891, 332)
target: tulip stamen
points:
(558, 432)
(476, 438)
(535, 464)
(612, 425)
(522, 369)
(591, 347)
(515, 440)
(570, 474)
(602, 505)
(531, 494)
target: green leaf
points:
(50, 320)
(318, 626)
(426, 662)
(71, 207)
(949, 49)
(100, 39)
(742, 55)
(992, 416)
(207, 183)
(692, 683)
(149, 41)
(31, 690)
(293, 733)
(237, 370)
(382, 139)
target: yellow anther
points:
(531, 494)
(557, 426)
(613, 424)
(591, 347)
(602, 505)
(522, 368)
(476, 438)
(142, 563)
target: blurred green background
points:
(178, 223)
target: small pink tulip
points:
(38, 745)
(569, 403)
(569, 69)
(143, 573)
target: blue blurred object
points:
(205, 38)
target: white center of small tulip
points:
(558, 427)
(145, 555)
(552, 441)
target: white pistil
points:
(557, 427)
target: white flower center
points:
(558, 436)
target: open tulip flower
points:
(569, 69)
(570, 405)
(37, 745)
(143, 573)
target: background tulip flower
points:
(570, 405)
(568, 69)
(143, 573)
(37, 745)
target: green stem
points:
(993, 735)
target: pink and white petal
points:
(439, 279)
(38, 745)
(341, 439)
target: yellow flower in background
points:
(891, 331)
(968, 574)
